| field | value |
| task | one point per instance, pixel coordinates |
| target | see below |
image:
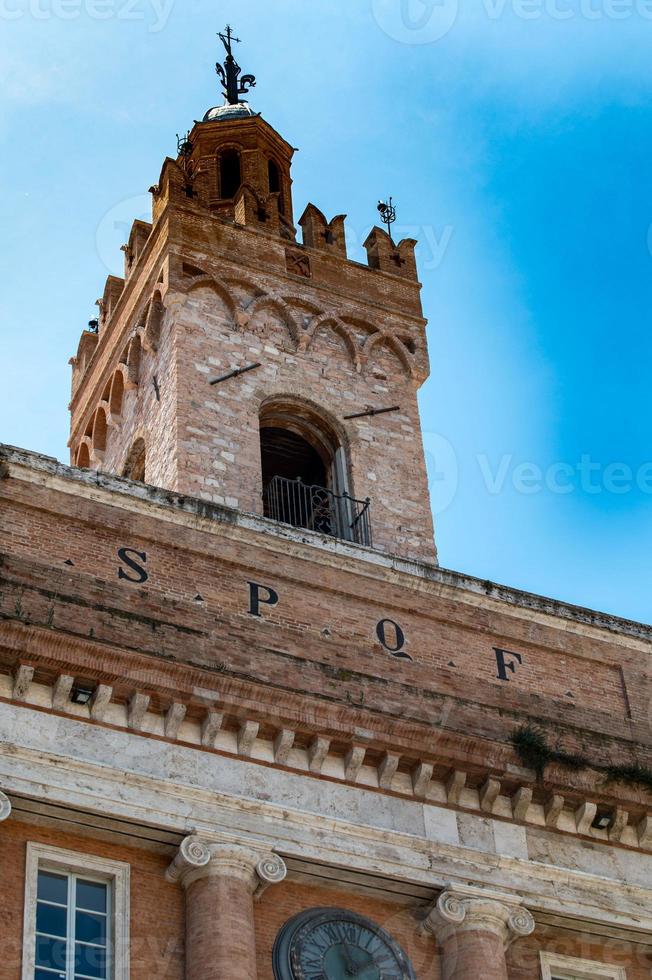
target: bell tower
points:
(238, 365)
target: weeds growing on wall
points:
(534, 752)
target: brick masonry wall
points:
(219, 439)
(523, 957)
(158, 916)
(144, 416)
(329, 613)
(317, 646)
(280, 903)
(157, 908)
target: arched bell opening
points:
(230, 173)
(275, 183)
(285, 453)
(83, 460)
(134, 468)
(305, 474)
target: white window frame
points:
(573, 968)
(41, 857)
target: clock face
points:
(333, 944)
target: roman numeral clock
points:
(335, 944)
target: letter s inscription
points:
(128, 556)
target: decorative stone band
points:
(198, 858)
(5, 807)
(460, 910)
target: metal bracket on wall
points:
(373, 411)
(234, 374)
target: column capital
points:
(460, 910)
(200, 857)
(5, 806)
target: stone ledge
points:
(403, 840)
(220, 732)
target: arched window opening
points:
(230, 173)
(100, 430)
(305, 478)
(117, 393)
(134, 468)
(288, 455)
(275, 185)
(133, 360)
(83, 457)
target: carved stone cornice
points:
(5, 806)
(199, 857)
(462, 910)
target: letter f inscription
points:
(504, 665)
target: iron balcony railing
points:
(318, 509)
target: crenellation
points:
(323, 235)
(385, 256)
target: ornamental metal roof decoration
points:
(387, 211)
(229, 73)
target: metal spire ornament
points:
(229, 72)
(387, 213)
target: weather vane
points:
(387, 213)
(229, 73)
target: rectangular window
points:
(76, 916)
(73, 936)
(554, 967)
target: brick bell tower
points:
(234, 364)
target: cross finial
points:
(227, 38)
(229, 72)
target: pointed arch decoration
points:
(392, 344)
(302, 307)
(218, 287)
(339, 328)
(365, 327)
(278, 305)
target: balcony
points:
(318, 509)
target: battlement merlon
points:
(377, 289)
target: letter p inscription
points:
(260, 595)
(504, 665)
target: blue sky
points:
(516, 139)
